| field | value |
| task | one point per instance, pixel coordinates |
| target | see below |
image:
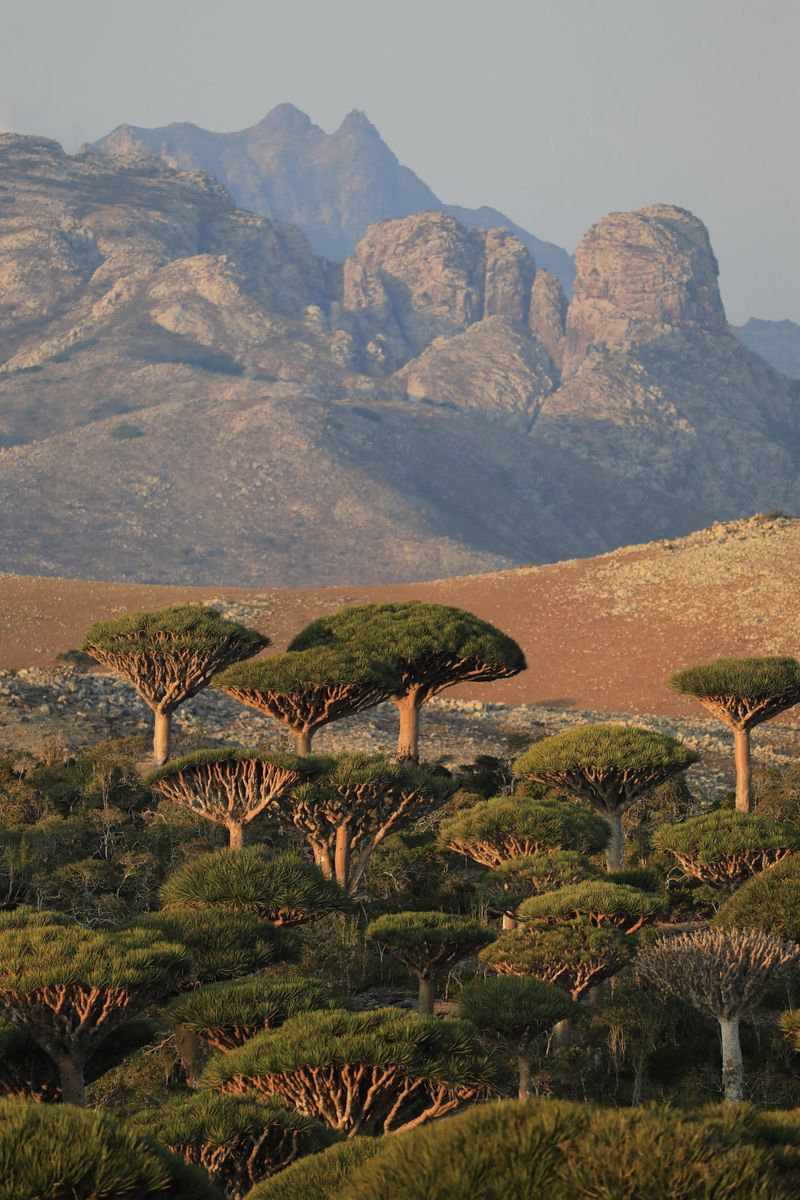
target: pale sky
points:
(554, 111)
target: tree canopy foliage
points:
(502, 828)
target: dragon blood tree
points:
(518, 1009)
(492, 832)
(70, 987)
(236, 1140)
(230, 787)
(767, 903)
(306, 689)
(170, 655)
(742, 692)
(372, 1072)
(572, 955)
(598, 902)
(224, 1015)
(65, 1153)
(425, 943)
(280, 888)
(348, 811)
(517, 879)
(725, 847)
(430, 646)
(725, 973)
(320, 1176)
(608, 766)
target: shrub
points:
(319, 1176)
(767, 903)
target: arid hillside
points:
(599, 634)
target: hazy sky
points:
(554, 111)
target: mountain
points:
(189, 394)
(332, 186)
(776, 341)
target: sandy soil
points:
(599, 634)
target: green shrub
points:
(126, 432)
(222, 945)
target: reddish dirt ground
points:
(599, 634)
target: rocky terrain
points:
(332, 186)
(600, 636)
(189, 394)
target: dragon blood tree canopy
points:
(742, 692)
(572, 955)
(431, 646)
(65, 1153)
(70, 987)
(426, 942)
(725, 847)
(170, 655)
(607, 765)
(306, 689)
(495, 831)
(236, 1140)
(598, 902)
(371, 1072)
(349, 809)
(232, 786)
(278, 887)
(224, 1015)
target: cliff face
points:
(640, 275)
(188, 393)
(333, 186)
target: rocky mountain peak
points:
(640, 275)
(286, 118)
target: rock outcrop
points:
(427, 277)
(548, 315)
(333, 186)
(641, 275)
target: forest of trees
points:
(564, 970)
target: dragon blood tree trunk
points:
(427, 995)
(342, 857)
(524, 1074)
(732, 1066)
(161, 731)
(614, 851)
(73, 1088)
(191, 1053)
(408, 737)
(302, 739)
(741, 748)
(236, 835)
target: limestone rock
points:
(548, 315)
(640, 275)
(492, 367)
(427, 277)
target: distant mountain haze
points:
(189, 394)
(332, 186)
